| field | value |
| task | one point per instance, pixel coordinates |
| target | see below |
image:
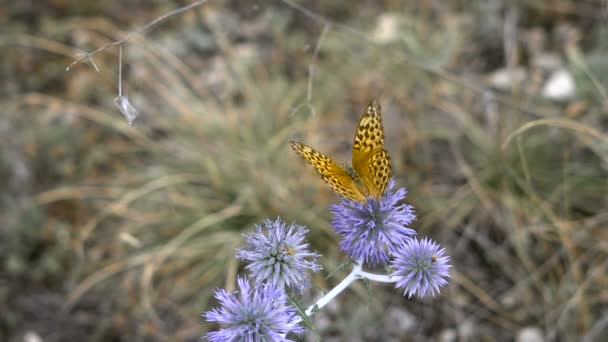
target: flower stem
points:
(329, 296)
(356, 273)
(381, 278)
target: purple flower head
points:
(278, 255)
(422, 267)
(373, 230)
(258, 314)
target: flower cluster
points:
(421, 267)
(258, 314)
(279, 260)
(377, 231)
(277, 255)
(373, 232)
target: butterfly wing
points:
(338, 178)
(371, 161)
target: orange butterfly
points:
(371, 168)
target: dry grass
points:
(126, 230)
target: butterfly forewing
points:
(336, 176)
(370, 133)
(371, 161)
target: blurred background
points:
(495, 117)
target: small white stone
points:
(448, 335)
(504, 79)
(245, 51)
(530, 334)
(399, 320)
(560, 86)
(466, 330)
(387, 28)
(31, 336)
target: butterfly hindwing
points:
(379, 173)
(336, 176)
(371, 161)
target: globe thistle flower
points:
(373, 230)
(256, 314)
(279, 255)
(421, 266)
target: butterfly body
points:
(370, 171)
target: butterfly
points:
(371, 164)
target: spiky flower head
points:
(373, 230)
(256, 314)
(279, 255)
(422, 266)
